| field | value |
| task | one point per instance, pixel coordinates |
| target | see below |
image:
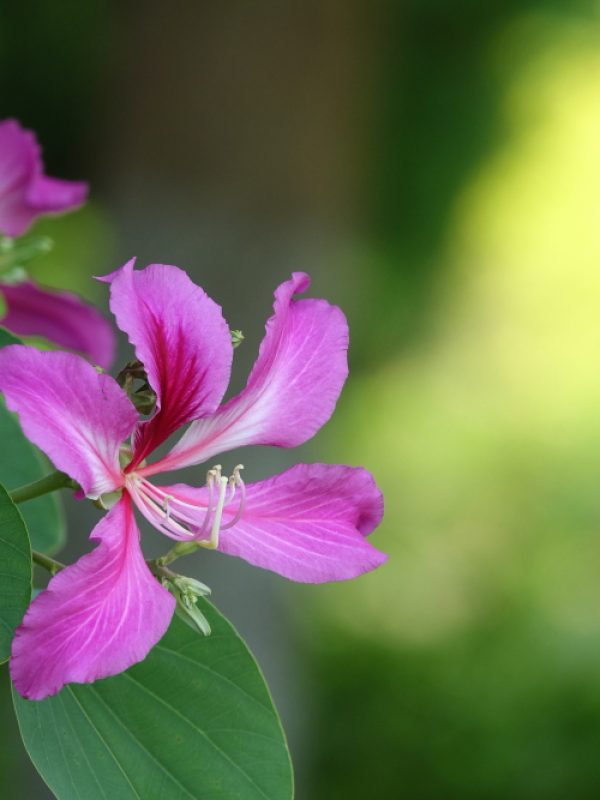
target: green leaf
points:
(15, 571)
(194, 720)
(23, 464)
(6, 337)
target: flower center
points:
(181, 517)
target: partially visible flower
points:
(62, 318)
(309, 524)
(31, 310)
(25, 192)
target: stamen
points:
(236, 480)
(180, 518)
(166, 508)
(213, 542)
(156, 514)
(199, 533)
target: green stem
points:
(46, 562)
(52, 482)
(15, 253)
(180, 549)
(158, 570)
(53, 566)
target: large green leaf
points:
(194, 720)
(15, 571)
(20, 464)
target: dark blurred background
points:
(435, 166)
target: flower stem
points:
(15, 253)
(158, 570)
(180, 549)
(46, 562)
(52, 482)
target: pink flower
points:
(309, 523)
(25, 192)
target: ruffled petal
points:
(76, 415)
(308, 524)
(25, 192)
(96, 618)
(181, 338)
(292, 389)
(61, 317)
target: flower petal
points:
(96, 618)
(61, 317)
(308, 524)
(51, 195)
(181, 338)
(77, 416)
(25, 192)
(292, 389)
(19, 153)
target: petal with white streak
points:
(96, 618)
(292, 389)
(76, 415)
(308, 524)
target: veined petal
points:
(25, 192)
(61, 317)
(76, 415)
(96, 618)
(292, 389)
(181, 338)
(308, 524)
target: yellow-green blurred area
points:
(440, 164)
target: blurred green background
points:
(436, 167)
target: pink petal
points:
(308, 524)
(96, 618)
(183, 341)
(77, 416)
(61, 317)
(25, 192)
(47, 195)
(292, 389)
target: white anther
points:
(214, 474)
(236, 474)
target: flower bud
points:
(187, 591)
(237, 337)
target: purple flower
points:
(310, 523)
(25, 192)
